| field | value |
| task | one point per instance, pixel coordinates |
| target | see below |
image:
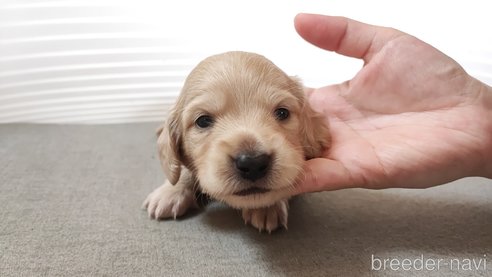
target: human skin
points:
(410, 118)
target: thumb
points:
(343, 35)
(322, 174)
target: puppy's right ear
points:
(169, 144)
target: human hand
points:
(411, 117)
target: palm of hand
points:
(395, 118)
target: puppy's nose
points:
(252, 167)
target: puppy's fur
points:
(244, 97)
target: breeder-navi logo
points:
(422, 263)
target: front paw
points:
(269, 218)
(169, 201)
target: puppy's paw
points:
(269, 218)
(169, 201)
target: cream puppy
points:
(240, 132)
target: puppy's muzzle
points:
(252, 166)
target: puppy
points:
(240, 132)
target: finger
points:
(323, 174)
(343, 35)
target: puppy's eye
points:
(204, 121)
(282, 113)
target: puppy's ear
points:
(169, 144)
(313, 128)
(316, 137)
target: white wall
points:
(100, 61)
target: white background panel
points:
(109, 61)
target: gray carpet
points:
(70, 201)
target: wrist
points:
(486, 106)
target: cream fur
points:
(241, 92)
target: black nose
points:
(252, 167)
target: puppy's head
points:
(243, 128)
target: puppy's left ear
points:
(313, 128)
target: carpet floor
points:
(70, 205)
